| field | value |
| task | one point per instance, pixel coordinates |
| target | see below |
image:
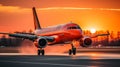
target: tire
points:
(43, 52)
(74, 51)
(38, 52)
(70, 51)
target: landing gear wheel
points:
(74, 51)
(38, 52)
(41, 51)
(70, 51)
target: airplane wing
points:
(29, 36)
(100, 35)
(19, 35)
(25, 33)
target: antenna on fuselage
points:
(71, 22)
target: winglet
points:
(36, 20)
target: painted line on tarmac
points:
(53, 64)
(49, 59)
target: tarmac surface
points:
(60, 60)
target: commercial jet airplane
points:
(60, 34)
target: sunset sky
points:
(16, 15)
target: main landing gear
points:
(41, 51)
(72, 50)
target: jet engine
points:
(42, 42)
(86, 41)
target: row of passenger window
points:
(74, 27)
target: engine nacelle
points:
(87, 41)
(42, 42)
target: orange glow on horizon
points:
(92, 30)
(14, 18)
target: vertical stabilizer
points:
(36, 21)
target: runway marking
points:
(98, 55)
(55, 64)
(51, 59)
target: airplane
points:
(59, 34)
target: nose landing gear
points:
(72, 50)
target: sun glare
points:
(92, 30)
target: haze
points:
(16, 15)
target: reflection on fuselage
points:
(62, 27)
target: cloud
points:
(63, 3)
(76, 8)
(109, 9)
(14, 9)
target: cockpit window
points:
(78, 27)
(74, 27)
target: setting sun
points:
(92, 30)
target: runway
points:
(60, 60)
